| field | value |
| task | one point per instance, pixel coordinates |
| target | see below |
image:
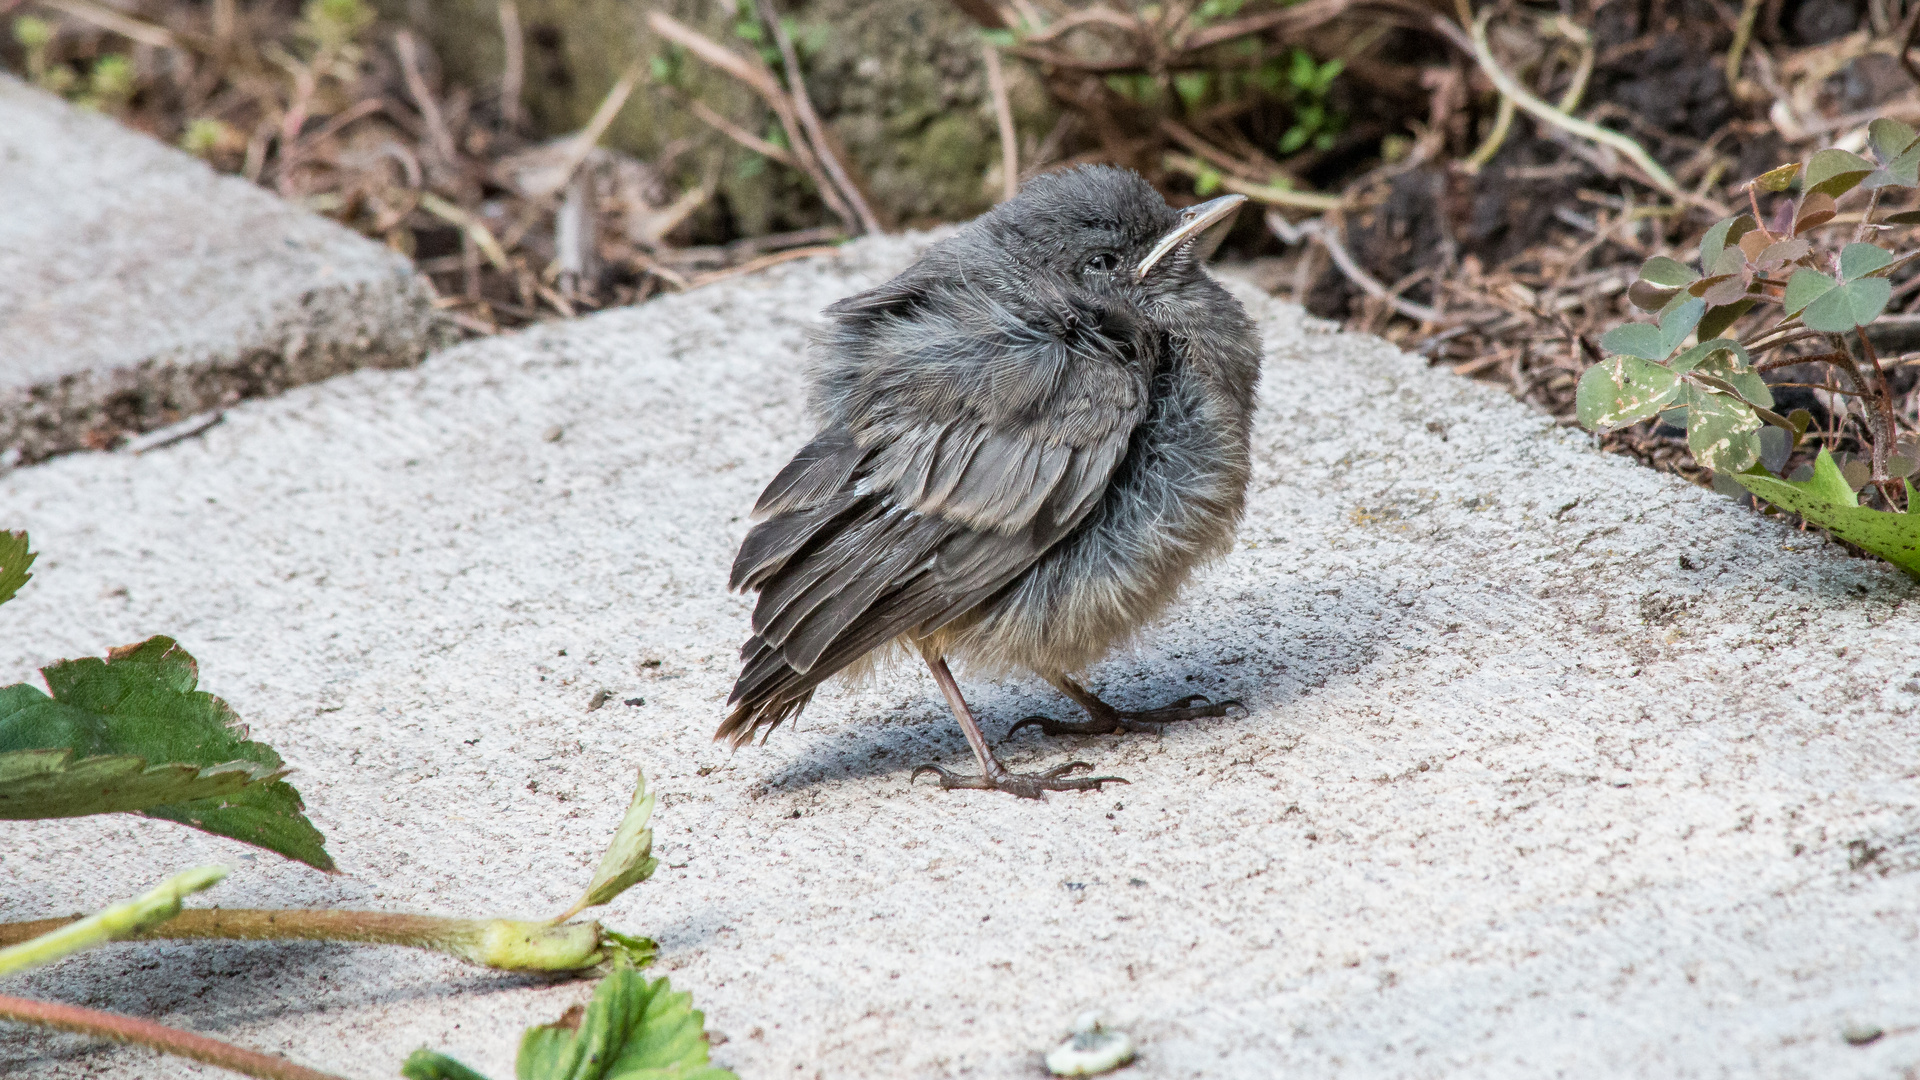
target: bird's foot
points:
(1153, 721)
(1025, 785)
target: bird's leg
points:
(993, 775)
(1107, 720)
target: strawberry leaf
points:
(131, 732)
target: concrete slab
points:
(1555, 765)
(138, 287)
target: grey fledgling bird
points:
(1028, 441)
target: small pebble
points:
(1861, 1034)
(1093, 1049)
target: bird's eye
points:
(1102, 263)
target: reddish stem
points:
(128, 1029)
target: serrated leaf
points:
(633, 1029)
(1779, 178)
(1859, 260)
(1816, 209)
(1826, 500)
(39, 784)
(15, 560)
(628, 859)
(1716, 321)
(1803, 288)
(1723, 433)
(136, 722)
(1835, 172)
(1622, 390)
(1723, 232)
(1854, 303)
(1671, 273)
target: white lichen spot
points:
(1093, 1049)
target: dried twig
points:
(1003, 115)
(409, 53)
(1319, 233)
(514, 69)
(1476, 46)
(1304, 200)
(762, 82)
(816, 132)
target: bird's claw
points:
(1024, 785)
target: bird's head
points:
(1108, 231)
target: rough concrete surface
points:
(137, 287)
(1554, 766)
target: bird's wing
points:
(968, 445)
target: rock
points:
(138, 288)
(1517, 793)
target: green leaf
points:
(1777, 179)
(633, 1029)
(39, 784)
(628, 859)
(1855, 303)
(1727, 360)
(15, 560)
(1723, 432)
(1803, 288)
(1677, 323)
(1827, 501)
(1671, 273)
(132, 727)
(1890, 138)
(1716, 321)
(1621, 390)
(1859, 260)
(1725, 231)
(1835, 172)
(424, 1064)
(1634, 339)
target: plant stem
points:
(54, 939)
(1883, 427)
(128, 1029)
(502, 944)
(1477, 46)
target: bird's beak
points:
(1194, 221)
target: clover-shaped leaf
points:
(1859, 260)
(1670, 273)
(1835, 172)
(1777, 179)
(1816, 209)
(1847, 305)
(1898, 148)
(1716, 321)
(1723, 432)
(1725, 231)
(1803, 288)
(1623, 389)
